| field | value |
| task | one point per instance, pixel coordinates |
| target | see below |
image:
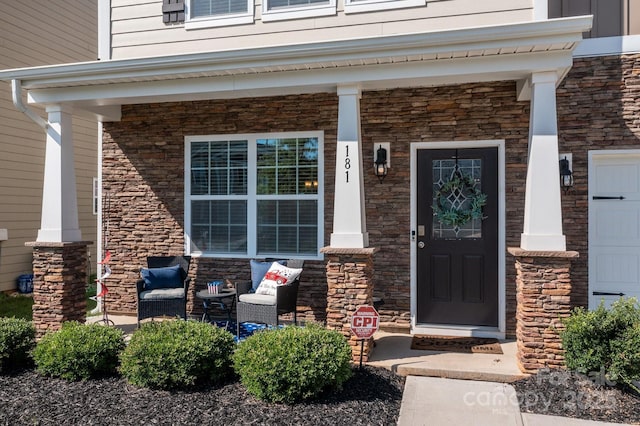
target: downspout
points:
(16, 92)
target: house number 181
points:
(347, 164)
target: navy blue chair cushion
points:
(157, 278)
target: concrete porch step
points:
(393, 351)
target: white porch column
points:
(349, 222)
(542, 209)
(59, 222)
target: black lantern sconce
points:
(566, 175)
(381, 160)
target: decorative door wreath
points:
(452, 195)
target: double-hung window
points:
(254, 195)
(210, 13)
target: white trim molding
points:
(605, 46)
(359, 6)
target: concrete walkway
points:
(449, 389)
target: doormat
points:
(476, 345)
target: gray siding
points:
(610, 17)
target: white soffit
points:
(505, 52)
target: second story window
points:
(273, 10)
(208, 13)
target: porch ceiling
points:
(506, 52)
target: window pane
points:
(219, 168)
(287, 227)
(199, 182)
(287, 166)
(219, 226)
(308, 239)
(200, 8)
(455, 200)
(199, 155)
(274, 4)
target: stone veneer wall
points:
(59, 284)
(350, 284)
(143, 176)
(543, 294)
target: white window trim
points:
(297, 12)
(251, 196)
(218, 20)
(374, 5)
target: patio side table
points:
(223, 301)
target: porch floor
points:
(393, 351)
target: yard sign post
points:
(364, 322)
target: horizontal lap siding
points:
(40, 32)
(138, 30)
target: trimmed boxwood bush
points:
(79, 352)
(293, 363)
(177, 355)
(604, 340)
(17, 340)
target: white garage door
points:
(614, 226)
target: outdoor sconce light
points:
(566, 175)
(381, 164)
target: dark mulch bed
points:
(371, 397)
(563, 393)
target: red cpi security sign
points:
(365, 321)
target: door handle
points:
(421, 244)
(606, 293)
(598, 197)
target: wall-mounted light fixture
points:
(381, 159)
(566, 175)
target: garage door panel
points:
(618, 179)
(617, 268)
(617, 223)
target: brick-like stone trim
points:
(59, 284)
(543, 295)
(349, 285)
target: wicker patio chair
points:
(266, 309)
(163, 289)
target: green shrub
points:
(625, 363)
(293, 363)
(177, 354)
(17, 340)
(79, 352)
(604, 340)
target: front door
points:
(457, 237)
(614, 227)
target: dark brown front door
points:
(457, 259)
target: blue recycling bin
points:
(25, 283)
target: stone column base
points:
(59, 284)
(543, 295)
(349, 285)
